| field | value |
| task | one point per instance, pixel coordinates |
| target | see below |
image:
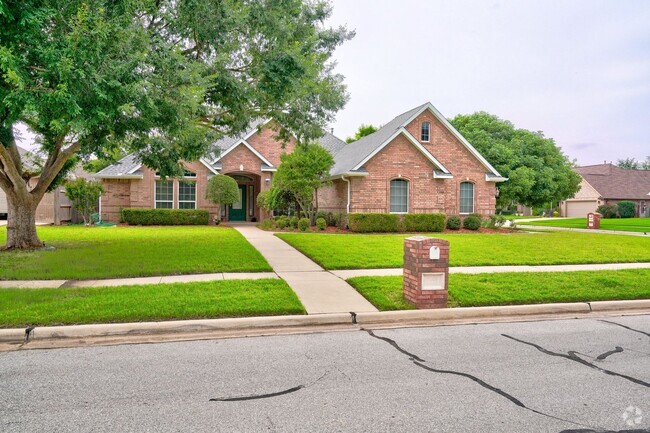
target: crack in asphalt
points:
(571, 356)
(626, 327)
(602, 356)
(269, 395)
(395, 345)
(420, 363)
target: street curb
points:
(471, 313)
(313, 322)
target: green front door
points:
(237, 210)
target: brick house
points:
(416, 163)
(608, 184)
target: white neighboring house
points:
(54, 208)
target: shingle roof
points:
(129, 163)
(613, 182)
(353, 153)
(121, 168)
(332, 143)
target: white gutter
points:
(347, 207)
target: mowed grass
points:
(204, 300)
(477, 290)
(347, 251)
(623, 224)
(117, 252)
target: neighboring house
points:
(416, 163)
(608, 184)
(55, 207)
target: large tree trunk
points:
(21, 222)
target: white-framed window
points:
(466, 197)
(164, 194)
(399, 196)
(425, 131)
(186, 195)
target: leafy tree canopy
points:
(362, 132)
(537, 169)
(222, 190)
(84, 196)
(300, 174)
(633, 164)
(161, 78)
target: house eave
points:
(350, 174)
(118, 176)
(489, 178)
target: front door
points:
(237, 210)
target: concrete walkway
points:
(318, 290)
(55, 284)
(350, 273)
(569, 229)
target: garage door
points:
(580, 209)
(3, 202)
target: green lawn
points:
(623, 224)
(347, 251)
(204, 300)
(116, 252)
(467, 290)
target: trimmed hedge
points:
(472, 222)
(608, 210)
(454, 222)
(373, 222)
(165, 217)
(424, 222)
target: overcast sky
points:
(577, 70)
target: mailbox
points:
(593, 220)
(426, 271)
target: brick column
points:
(426, 271)
(593, 220)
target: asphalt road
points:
(552, 376)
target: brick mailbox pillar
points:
(593, 220)
(426, 270)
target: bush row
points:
(431, 222)
(165, 217)
(623, 209)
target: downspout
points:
(347, 207)
(99, 220)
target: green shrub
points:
(293, 222)
(626, 209)
(303, 224)
(556, 213)
(453, 222)
(321, 223)
(608, 210)
(267, 224)
(424, 222)
(472, 222)
(165, 217)
(282, 222)
(373, 222)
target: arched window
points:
(425, 131)
(466, 197)
(399, 196)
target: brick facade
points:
(401, 159)
(398, 159)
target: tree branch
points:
(9, 166)
(51, 171)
